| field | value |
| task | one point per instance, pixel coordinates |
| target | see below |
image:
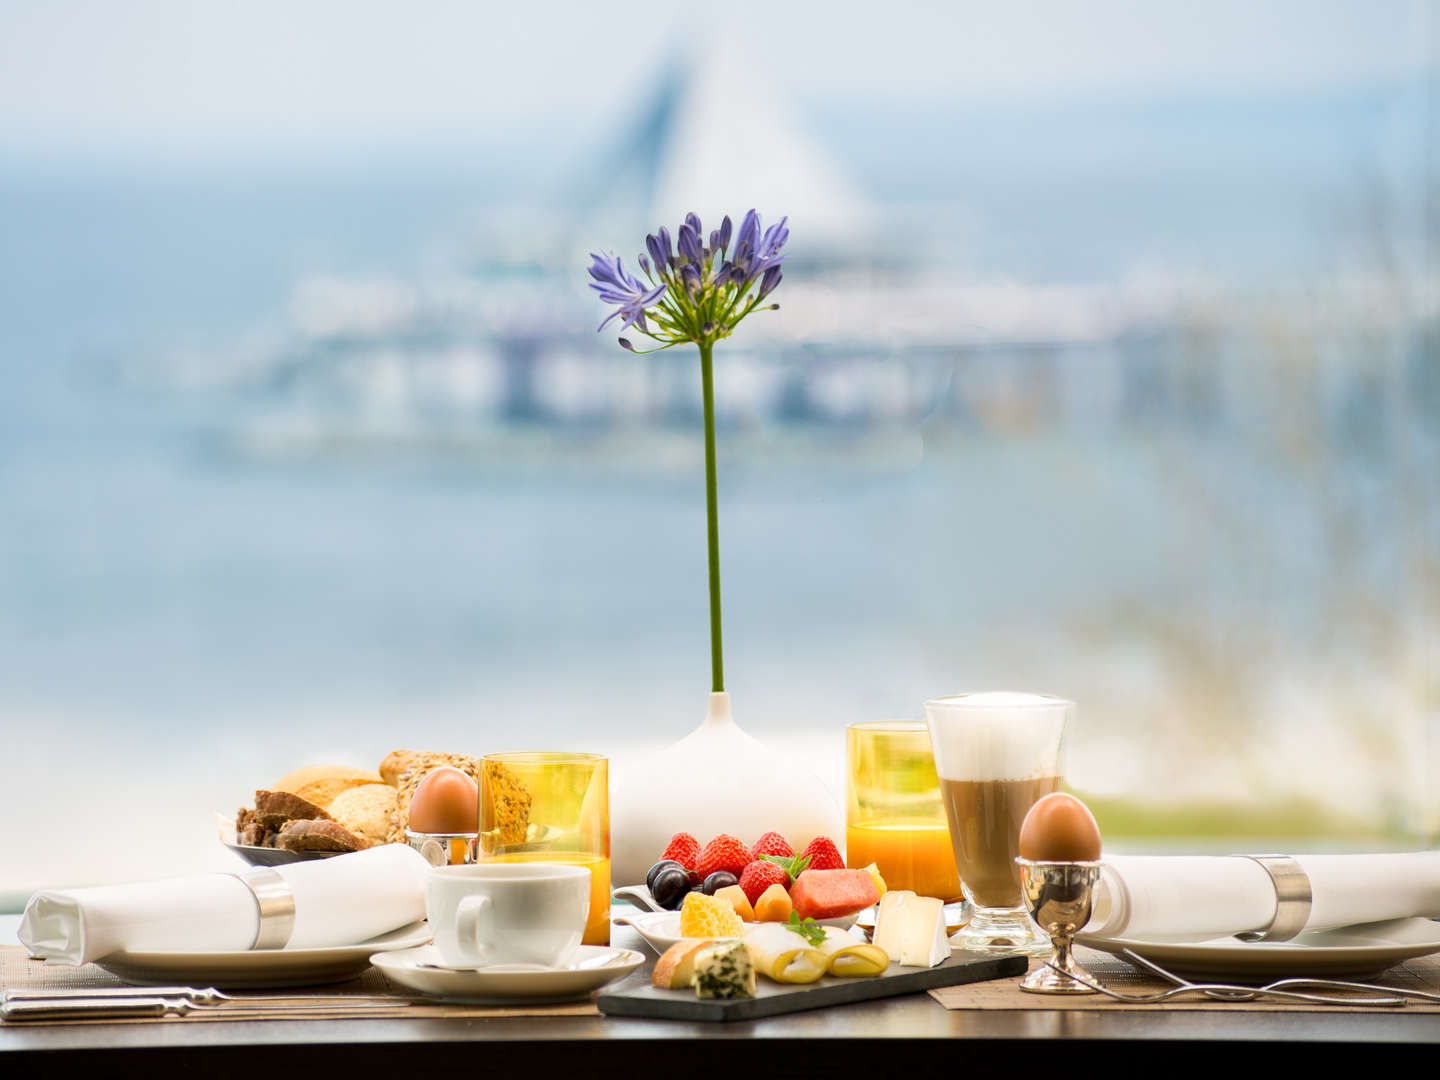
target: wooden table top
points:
(907, 1031)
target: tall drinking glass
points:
(551, 808)
(894, 816)
(996, 754)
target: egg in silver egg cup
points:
(1057, 896)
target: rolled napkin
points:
(342, 900)
(1197, 897)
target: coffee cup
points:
(507, 913)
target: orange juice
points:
(912, 853)
(597, 925)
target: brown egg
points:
(1059, 828)
(447, 801)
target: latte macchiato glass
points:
(996, 754)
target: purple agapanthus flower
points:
(617, 286)
(694, 292)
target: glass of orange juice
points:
(894, 816)
(555, 808)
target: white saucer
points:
(255, 968)
(661, 929)
(1350, 950)
(594, 966)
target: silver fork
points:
(1335, 984)
(1230, 992)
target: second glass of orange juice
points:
(550, 807)
(894, 816)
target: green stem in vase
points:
(712, 516)
(698, 292)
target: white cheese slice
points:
(911, 929)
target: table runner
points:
(1002, 994)
(18, 971)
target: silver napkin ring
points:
(277, 907)
(1292, 899)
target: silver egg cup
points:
(1057, 896)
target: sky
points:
(173, 74)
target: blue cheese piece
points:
(911, 929)
(724, 970)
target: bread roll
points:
(324, 791)
(366, 810)
(293, 782)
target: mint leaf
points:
(793, 865)
(809, 929)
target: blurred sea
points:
(181, 621)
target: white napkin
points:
(342, 900)
(1196, 897)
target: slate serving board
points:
(772, 998)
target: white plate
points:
(260, 967)
(661, 929)
(1352, 950)
(594, 966)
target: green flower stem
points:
(707, 380)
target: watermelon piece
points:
(829, 894)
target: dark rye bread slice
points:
(274, 808)
(310, 835)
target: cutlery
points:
(195, 995)
(120, 1007)
(1337, 984)
(1229, 992)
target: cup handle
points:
(470, 914)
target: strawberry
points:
(772, 843)
(759, 876)
(824, 855)
(723, 853)
(685, 850)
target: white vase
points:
(715, 780)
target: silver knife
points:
(120, 1007)
(208, 995)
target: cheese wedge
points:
(724, 970)
(846, 955)
(676, 966)
(911, 929)
(783, 955)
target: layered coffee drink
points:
(996, 755)
(985, 817)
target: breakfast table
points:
(986, 1023)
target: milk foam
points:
(997, 735)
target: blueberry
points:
(670, 886)
(718, 880)
(654, 872)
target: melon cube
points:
(773, 905)
(741, 902)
